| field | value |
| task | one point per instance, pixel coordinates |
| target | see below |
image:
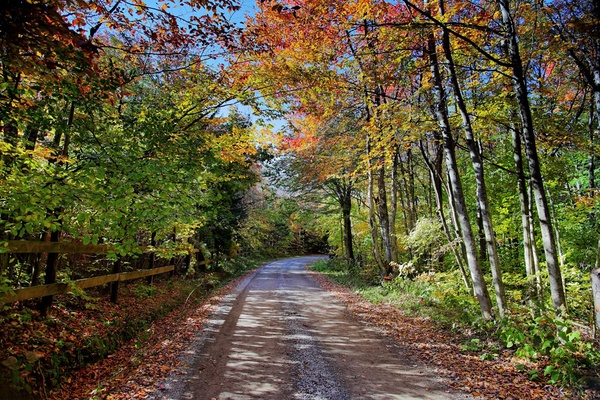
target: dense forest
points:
(444, 149)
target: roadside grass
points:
(438, 297)
(563, 351)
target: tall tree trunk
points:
(522, 97)
(441, 115)
(594, 130)
(410, 190)
(556, 232)
(349, 247)
(481, 234)
(384, 221)
(408, 201)
(536, 261)
(477, 162)
(381, 198)
(394, 202)
(403, 194)
(372, 217)
(344, 194)
(528, 249)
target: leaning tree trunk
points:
(477, 162)
(522, 97)
(441, 115)
(435, 171)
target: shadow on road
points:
(280, 336)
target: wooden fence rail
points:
(24, 247)
(62, 288)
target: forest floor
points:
(141, 366)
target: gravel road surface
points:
(280, 336)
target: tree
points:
(440, 110)
(113, 134)
(318, 161)
(524, 110)
(477, 162)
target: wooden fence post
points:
(200, 260)
(114, 286)
(150, 279)
(50, 276)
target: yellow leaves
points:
(141, 117)
(5, 147)
(363, 8)
(235, 146)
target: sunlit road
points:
(280, 336)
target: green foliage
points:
(553, 339)
(578, 288)
(427, 240)
(472, 345)
(5, 285)
(349, 273)
(440, 296)
(320, 266)
(144, 291)
(278, 227)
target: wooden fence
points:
(24, 247)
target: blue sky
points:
(248, 7)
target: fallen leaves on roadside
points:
(137, 371)
(132, 371)
(440, 349)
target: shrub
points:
(553, 340)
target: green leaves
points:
(551, 340)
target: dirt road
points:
(280, 336)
